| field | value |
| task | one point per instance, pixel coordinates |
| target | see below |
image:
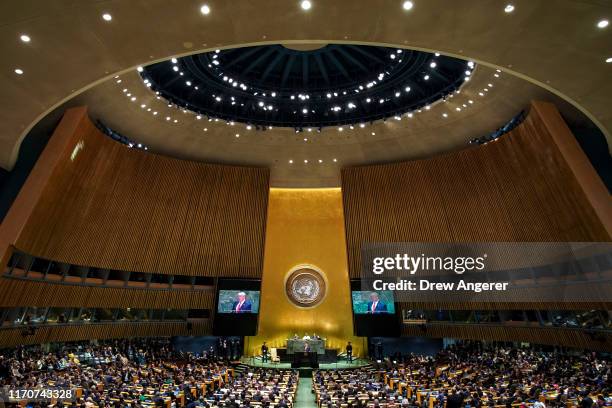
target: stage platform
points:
(339, 365)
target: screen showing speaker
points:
(373, 302)
(237, 307)
(238, 301)
(374, 312)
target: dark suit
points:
(245, 308)
(349, 352)
(381, 307)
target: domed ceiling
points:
(336, 84)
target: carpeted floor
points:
(305, 398)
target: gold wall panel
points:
(305, 227)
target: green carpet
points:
(305, 398)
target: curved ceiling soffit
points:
(406, 45)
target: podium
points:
(305, 359)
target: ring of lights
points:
(273, 86)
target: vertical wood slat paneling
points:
(516, 189)
(16, 292)
(537, 335)
(127, 209)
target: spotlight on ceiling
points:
(306, 5)
(19, 71)
(509, 8)
(25, 38)
(603, 24)
(609, 60)
(205, 9)
(107, 17)
(408, 5)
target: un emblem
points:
(305, 286)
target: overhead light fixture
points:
(445, 115)
(290, 161)
(139, 69)
(408, 5)
(603, 24)
(509, 8)
(306, 5)
(25, 38)
(205, 9)
(107, 17)
(19, 71)
(433, 64)
(609, 60)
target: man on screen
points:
(375, 305)
(241, 304)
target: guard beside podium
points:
(264, 353)
(349, 352)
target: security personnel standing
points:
(349, 352)
(264, 352)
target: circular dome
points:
(335, 84)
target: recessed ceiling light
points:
(408, 5)
(609, 60)
(445, 115)
(290, 161)
(373, 133)
(205, 9)
(19, 71)
(25, 38)
(206, 129)
(139, 69)
(603, 24)
(237, 134)
(433, 64)
(509, 8)
(107, 17)
(320, 161)
(306, 5)
(306, 161)
(335, 160)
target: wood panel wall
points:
(518, 188)
(17, 292)
(536, 335)
(110, 206)
(56, 333)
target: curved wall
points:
(533, 184)
(109, 206)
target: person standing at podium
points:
(264, 353)
(241, 304)
(349, 352)
(375, 305)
